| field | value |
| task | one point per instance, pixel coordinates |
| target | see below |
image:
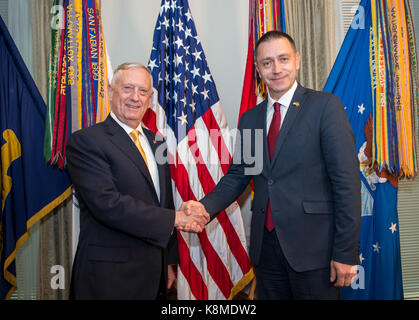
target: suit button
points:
(270, 182)
(262, 211)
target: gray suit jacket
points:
(313, 182)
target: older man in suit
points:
(127, 217)
(305, 225)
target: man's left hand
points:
(341, 274)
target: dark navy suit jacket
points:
(125, 231)
(313, 182)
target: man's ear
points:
(297, 60)
(110, 92)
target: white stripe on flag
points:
(220, 117)
(183, 288)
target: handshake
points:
(191, 217)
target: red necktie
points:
(272, 136)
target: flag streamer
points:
(77, 75)
(394, 76)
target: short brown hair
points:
(274, 34)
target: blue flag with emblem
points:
(352, 80)
(30, 188)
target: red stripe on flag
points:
(150, 120)
(249, 97)
(216, 267)
(208, 185)
(238, 251)
(235, 244)
(190, 272)
(217, 140)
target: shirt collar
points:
(286, 99)
(126, 127)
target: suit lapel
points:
(123, 142)
(155, 144)
(262, 124)
(294, 109)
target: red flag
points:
(249, 88)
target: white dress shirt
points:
(284, 101)
(151, 162)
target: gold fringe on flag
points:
(395, 88)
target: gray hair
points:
(126, 66)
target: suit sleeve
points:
(172, 247)
(338, 147)
(232, 185)
(94, 181)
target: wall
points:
(222, 27)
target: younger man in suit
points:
(306, 217)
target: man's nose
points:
(135, 94)
(276, 67)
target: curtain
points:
(55, 243)
(27, 267)
(41, 42)
(20, 29)
(55, 251)
(311, 24)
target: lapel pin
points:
(296, 104)
(154, 141)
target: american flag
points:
(188, 113)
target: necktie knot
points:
(277, 107)
(135, 134)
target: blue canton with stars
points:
(186, 89)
